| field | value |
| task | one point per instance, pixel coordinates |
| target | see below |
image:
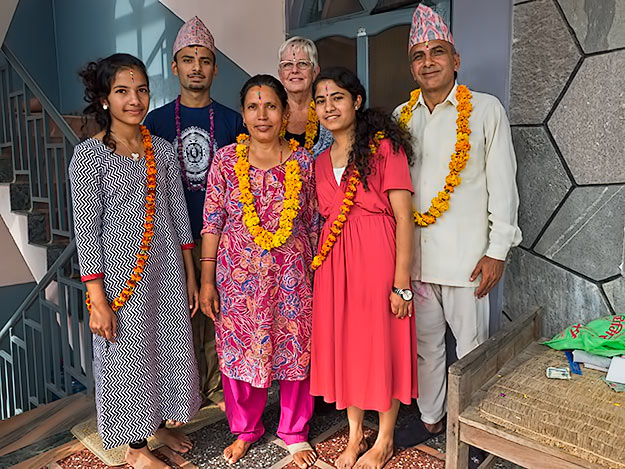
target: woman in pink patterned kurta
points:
(261, 300)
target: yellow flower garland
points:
(348, 202)
(311, 126)
(459, 158)
(292, 188)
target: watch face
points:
(407, 295)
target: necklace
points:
(459, 157)
(348, 201)
(135, 156)
(211, 148)
(290, 206)
(148, 226)
(311, 126)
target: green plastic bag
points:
(604, 336)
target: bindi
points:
(260, 100)
(196, 51)
(132, 76)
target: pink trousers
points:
(245, 405)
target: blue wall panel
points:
(56, 38)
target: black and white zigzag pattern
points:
(150, 373)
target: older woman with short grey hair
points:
(297, 69)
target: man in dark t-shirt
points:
(197, 126)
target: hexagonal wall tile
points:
(588, 124)
(566, 298)
(541, 179)
(597, 28)
(615, 291)
(586, 234)
(543, 56)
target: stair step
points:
(6, 167)
(20, 194)
(44, 421)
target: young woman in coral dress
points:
(363, 344)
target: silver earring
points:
(105, 106)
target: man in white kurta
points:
(460, 257)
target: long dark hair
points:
(98, 78)
(265, 80)
(368, 122)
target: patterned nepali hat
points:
(427, 25)
(194, 33)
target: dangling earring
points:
(105, 106)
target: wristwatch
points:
(406, 294)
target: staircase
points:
(45, 348)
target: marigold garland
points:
(148, 226)
(311, 126)
(292, 188)
(459, 158)
(348, 202)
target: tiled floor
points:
(328, 434)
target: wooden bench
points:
(468, 380)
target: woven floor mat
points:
(87, 433)
(581, 416)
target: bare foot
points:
(348, 457)
(144, 459)
(222, 405)
(236, 450)
(376, 457)
(434, 427)
(174, 439)
(173, 423)
(305, 458)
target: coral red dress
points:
(362, 355)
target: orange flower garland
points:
(311, 126)
(348, 202)
(148, 226)
(292, 188)
(459, 158)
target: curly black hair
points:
(368, 122)
(98, 78)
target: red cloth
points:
(86, 278)
(361, 354)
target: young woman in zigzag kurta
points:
(133, 239)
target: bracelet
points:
(208, 259)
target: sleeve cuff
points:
(188, 246)
(498, 252)
(86, 278)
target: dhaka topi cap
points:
(427, 25)
(194, 33)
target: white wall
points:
(249, 32)
(7, 8)
(34, 256)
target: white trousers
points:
(467, 316)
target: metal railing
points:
(45, 348)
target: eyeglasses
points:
(287, 65)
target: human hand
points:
(400, 307)
(103, 322)
(209, 300)
(491, 270)
(193, 294)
